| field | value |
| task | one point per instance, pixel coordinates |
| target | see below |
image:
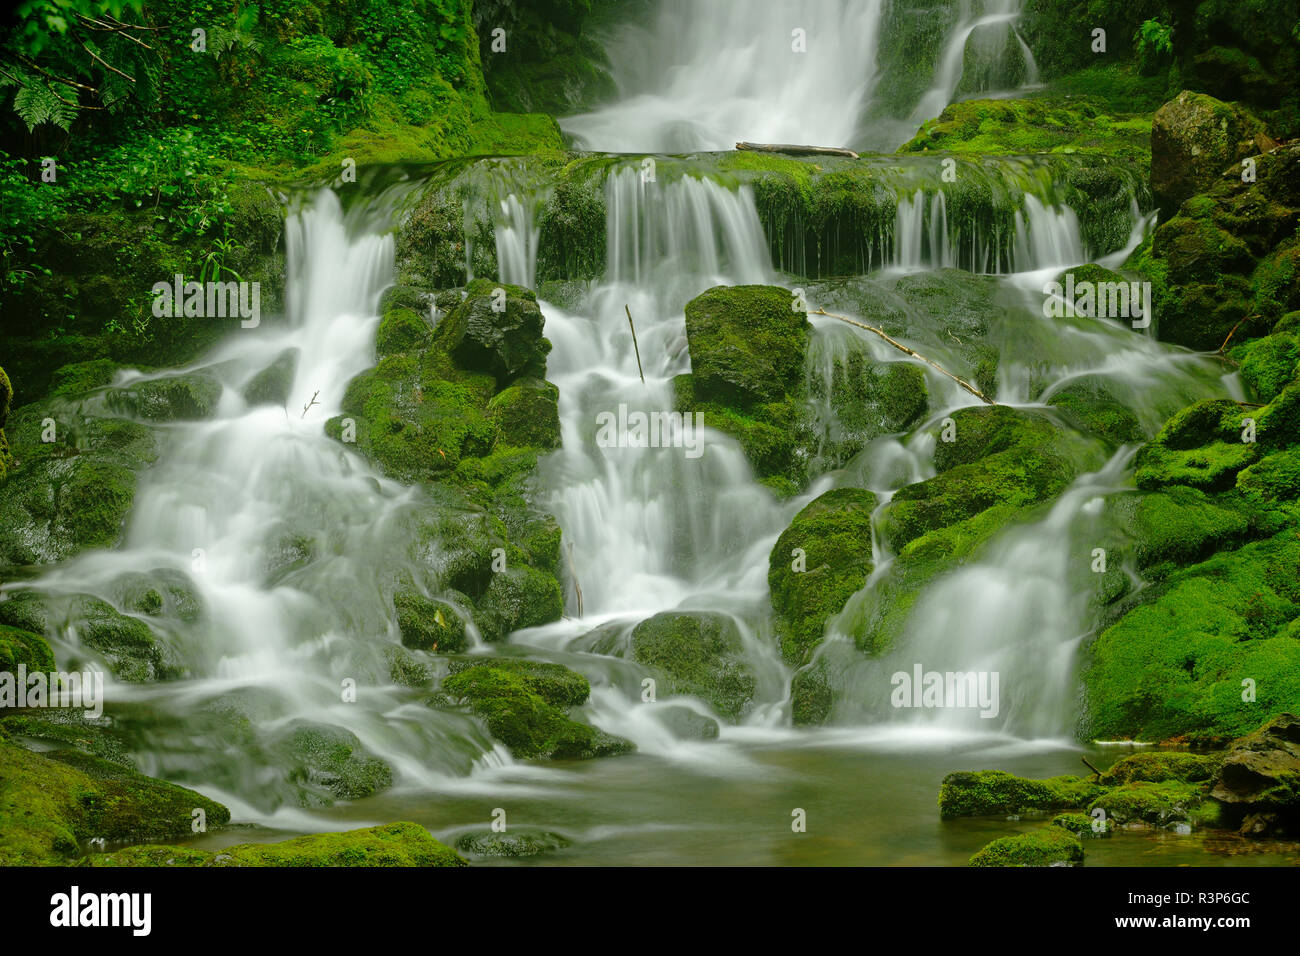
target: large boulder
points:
(497, 330)
(1194, 138)
(700, 653)
(525, 705)
(1258, 782)
(747, 344)
(816, 564)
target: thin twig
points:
(100, 60)
(903, 348)
(313, 401)
(1090, 766)
(628, 310)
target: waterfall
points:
(995, 14)
(703, 76)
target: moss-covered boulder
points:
(1258, 781)
(1268, 364)
(330, 761)
(1050, 846)
(1201, 656)
(1180, 526)
(272, 384)
(1160, 766)
(401, 330)
(128, 645)
(1194, 138)
(183, 397)
(699, 653)
(394, 844)
(496, 330)
(860, 399)
(518, 597)
(816, 564)
(1092, 407)
(999, 456)
(525, 705)
(527, 414)
(747, 345)
(52, 805)
(993, 792)
(70, 494)
(428, 624)
(686, 724)
(1202, 446)
(1168, 803)
(23, 647)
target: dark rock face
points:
(497, 330)
(1194, 138)
(1258, 783)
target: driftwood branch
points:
(903, 348)
(1090, 766)
(628, 310)
(797, 150)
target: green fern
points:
(36, 103)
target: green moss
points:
(701, 654)
(833, 534)
(23, 647)
(811, 696)
(51, 805)
(1176, 665)
(1160, 766)
(524, 706)
(1268, 364)
(1082, 825)
(394, 844)
(429, 625)
(747, 345)
(992, 792)
(401, 330)
(527, 415)
(328, 761)
(1000, 457)
(1025, 126)
(1181, 525)
(1159, 804)
(518, 597)
(272, 384)
(571, 231)
(1201, 446)
(1050, 846)
(1091, 407)
(174, 398)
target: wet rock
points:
(188, 396)
(1194, 138)
(271, 386)
(506, 344)
(992, 792)
(747, 345)
(329, 758)
(816, 564)
(1050, 846)
(518, 597)
(50, 804)
(700, 653)
(394, 844)
(525, 706)
(527, 414)
(686, 724)
(516, 842)
(1258, 783)
(1201, 447)
(401, 330)
(428, 624)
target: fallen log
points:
(797, 150)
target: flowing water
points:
(289, 539)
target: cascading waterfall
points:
(994, 28)
(702, 78)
